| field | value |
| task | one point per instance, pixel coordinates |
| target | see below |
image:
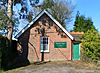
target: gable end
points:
(36, 18)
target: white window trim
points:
(40, 45)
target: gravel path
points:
(59, 70)
(53, 68)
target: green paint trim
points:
(76, 51)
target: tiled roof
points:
(77, 36)
(81, 33)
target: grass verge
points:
(1, 71)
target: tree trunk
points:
(10, 26)
(10, 31)
(9, 10)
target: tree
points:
(3, 19)
(47, 4)
(10, 24)
(61, 10)
(6, 22)
(91, 46)
(83, 24)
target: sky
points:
(89, 8)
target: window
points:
(44, 46)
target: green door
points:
(76, 51)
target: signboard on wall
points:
(60, 44)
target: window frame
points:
(47, 44)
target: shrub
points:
(91, 46)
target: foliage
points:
(61, 10)
(98, 63)
(29, 17)
(47, 4)
(91, 45)
(83, 24)
(5, 20)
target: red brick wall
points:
(32, 40)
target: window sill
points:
(45, 51)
